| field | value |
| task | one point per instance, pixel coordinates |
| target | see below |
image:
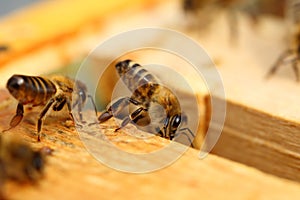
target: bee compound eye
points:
(176, 121)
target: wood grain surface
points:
(262, 122)
(73, 173)
(261, 127)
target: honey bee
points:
(53, 93)
(193, 5)
(251, 7)
(19, 162)
(3, 48)
(147, 91)
(292, 54)
(205, 11)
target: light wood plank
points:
(71, 172)
(262, 122)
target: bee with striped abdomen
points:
(3, 48)
(53, 93)
(292, 54)
(19, 162)
(146, 92)
(203, 13)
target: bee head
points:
(123, 67)
(15, 84)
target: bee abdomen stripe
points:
(39, 84)
(30, 90)
(41, 88)
(135, 65)
(139, 75)
(47, 86)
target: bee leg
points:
(279, 61)
(71, 115)
(124, 123)
(42, 115)
(164, 132)
(119, 105)
(80, 105)
(105, 116)
(295, 68)
(130, 118)
(116, 107)
(159, 132)
(182, 131)
(70, 109)
(185, 131)
(59, 104)
(17, 118)
(233, 24)
(143, 119)
(93, 102)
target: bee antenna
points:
(182, 131)
(93, 102)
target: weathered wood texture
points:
(74, 47)
(263, 122)
(72, 173)
(270, 145)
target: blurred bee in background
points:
(54, 93)
(292, 54)
(203, 12)
(19, 162)
(3, 48)
(146, 92)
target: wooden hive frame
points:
(180, 180)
